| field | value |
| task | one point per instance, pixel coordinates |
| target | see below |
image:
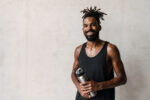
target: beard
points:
(92, 37)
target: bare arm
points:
(121, 78)
(80, 88)
(75, 67)
(113, 54)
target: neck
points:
(93, 44)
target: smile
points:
(90, 33)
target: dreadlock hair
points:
(93, 12)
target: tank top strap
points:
(82, 49)
(105, 45)
(84, 45)
(104, 49)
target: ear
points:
(99, 27)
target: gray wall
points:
(38, 38)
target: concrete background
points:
(38, 38)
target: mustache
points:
(90, 31)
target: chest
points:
(92, 52)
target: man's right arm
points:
(81, 89)
(75, 66)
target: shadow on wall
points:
(136, 83)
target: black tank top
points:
(95, 69)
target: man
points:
(99, 59)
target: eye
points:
(93, 24)
(84, 25)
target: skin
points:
(113, 60)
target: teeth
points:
(90, 33)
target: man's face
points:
(91, 28)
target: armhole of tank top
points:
(82, 49)
(106, 46)
(112, 70)
(105, 57)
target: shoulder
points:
(78, 50)
(112, 49)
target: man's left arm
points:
(117, 64)
(120, 79)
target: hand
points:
(91, 86)
(83, 91)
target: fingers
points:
(85, 95)
(84, 83)
(86, 86)
(86, 90)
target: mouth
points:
(90, 33)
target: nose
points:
(89, 28)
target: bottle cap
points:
(79, 72)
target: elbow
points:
(124, 80)
(71, 75)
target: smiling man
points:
(99, 59)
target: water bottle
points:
(82, 77)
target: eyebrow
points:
(90, 23)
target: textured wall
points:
(38, 38)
